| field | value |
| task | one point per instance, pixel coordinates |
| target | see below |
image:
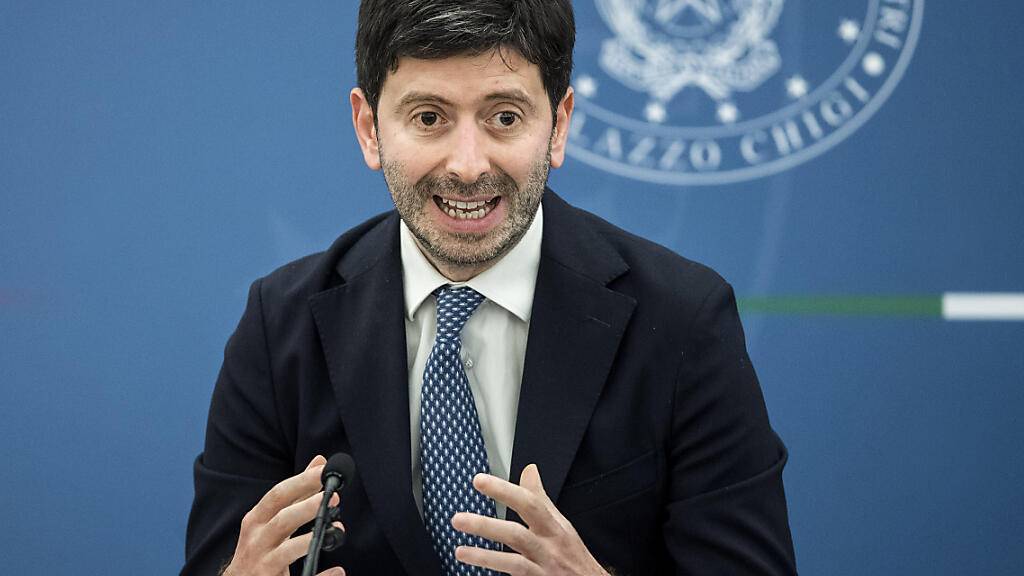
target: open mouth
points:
(463, 210)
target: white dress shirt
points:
(493, 342)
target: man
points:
(524, 387)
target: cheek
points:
(416, 156)
(413, 166)
(521, 162)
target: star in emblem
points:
(586, 86)
(849, 31)
(655, 112)
(873, 64)
(710, 10)
(796, 87)
(728, 113)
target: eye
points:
(428, 118)
(506, 119)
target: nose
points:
(468, 160)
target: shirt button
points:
(468, 363)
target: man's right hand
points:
(266, 546)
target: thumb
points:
(530, 479)
(317, 460)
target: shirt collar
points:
(510, 283)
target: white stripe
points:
(983, 306)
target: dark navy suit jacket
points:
(639, 405)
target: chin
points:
(465, 254)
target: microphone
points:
(339, 471)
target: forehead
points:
(465, 78)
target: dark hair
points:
(543, 31)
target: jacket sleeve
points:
(245, 452)
(726, 506)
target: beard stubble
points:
(462, 250)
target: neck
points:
(460, 274)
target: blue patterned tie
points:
(451, 445)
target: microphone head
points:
(340, 465)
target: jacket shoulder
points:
(356, 249)
(654, 269)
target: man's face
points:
(465, 144)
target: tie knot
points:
(454, 307)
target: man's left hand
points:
(548, 544)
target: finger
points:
(530, 479)
(336, 571)
(513, 534)
(530, 506)
(317, 460)
(287, 492)
(505, 562)
(287, 521)
(293, 548)
(289, 551)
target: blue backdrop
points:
(861, 159)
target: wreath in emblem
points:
(663, 46)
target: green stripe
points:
(844, 305)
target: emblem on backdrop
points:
(696, 92)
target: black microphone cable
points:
(340, 470)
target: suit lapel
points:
(575, 329)
(363, 336)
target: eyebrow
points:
(513, 95)
(417, 97)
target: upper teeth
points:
(463, 205)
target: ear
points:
(563, 117)
(366, 131)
